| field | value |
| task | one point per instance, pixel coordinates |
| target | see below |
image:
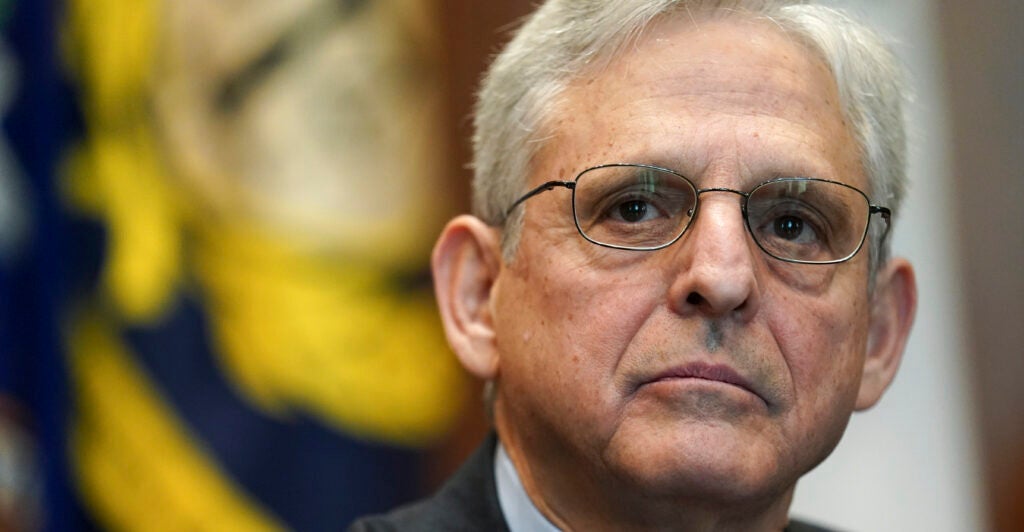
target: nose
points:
(715, 262)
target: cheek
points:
(822, 340)
(571, 324)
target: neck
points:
(573, 494)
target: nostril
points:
(694, 298)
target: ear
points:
(893, 305)
(466, 262)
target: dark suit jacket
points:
(467, 502)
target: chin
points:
(710, 465)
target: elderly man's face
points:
(706, 365)
(699, 381)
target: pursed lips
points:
(710, 372)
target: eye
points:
(634, 210)
(792, 228)
(632, 206)
(789, 228)
(791, 224)
(806, 220)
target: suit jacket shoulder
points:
(467, 502)
(802, 526)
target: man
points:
(677, 282)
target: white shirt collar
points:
(520, 513)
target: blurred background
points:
(215, 304)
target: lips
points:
(710, 372)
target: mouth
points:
(707, 372)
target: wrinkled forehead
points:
(666, 25)
(688, 71)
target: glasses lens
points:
(808, 220)
(635, 207)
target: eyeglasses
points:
(642, 207)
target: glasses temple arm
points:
(886, 215)
(542, 188)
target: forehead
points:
(694, 93)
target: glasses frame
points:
(571, 185)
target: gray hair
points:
(565, 38)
